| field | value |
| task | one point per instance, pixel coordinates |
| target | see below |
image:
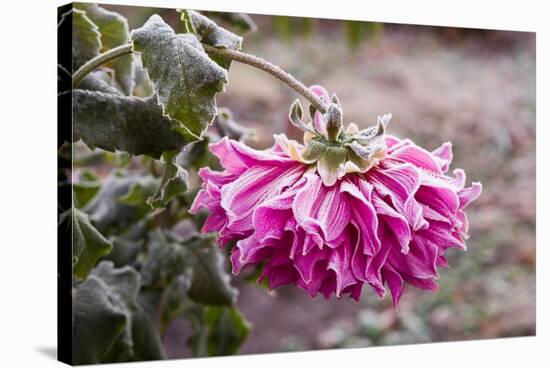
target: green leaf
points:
(113, 28)
(166, 260)
(174, 182)
(211, 282)
(163, 305)
(109, 325)
(194, 260)
(146, 337)
(98, 80)
(211, 34)
(140, 191)
(228, 127)
(198, 155)
(241, 22)
(126, 247)
(184, 77)
(217, 331)
(85, 188)
(86, 39)
(166, 271)
(123, 123)
(99, 320)
(108, 209)
(295, 117)
(89, 245)
(228, 330)
(198, 341)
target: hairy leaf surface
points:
(174, 182)
(109, 324)
(184, 77)
(114, 31)
(122, 123)
(211, 34)
(86, 38)
(89, 245)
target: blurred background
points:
(475, 88)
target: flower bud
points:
(334, 118)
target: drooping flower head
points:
(346, 208)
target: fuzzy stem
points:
(272, 69)
(239, 56)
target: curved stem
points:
(99, 60)
(272, 69)
(239, 56)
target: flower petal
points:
(444, 156)
(468, 195)
(417, 156)
(236, 156)
(320, 209)
(400, 183)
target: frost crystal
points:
(384, 219)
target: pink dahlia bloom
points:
(384, 220)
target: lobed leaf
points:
(98, 80)
(88, 244)
(114, 31)
(185, 79)
(174, 182)
(217, 330)
(242, 22)
(211, 282)
(295, 117)
(86, 38)
(85, 188)
(109, 325)
(121, 123)
(208, 32)
(166, 261)
(228, 127)
(194, 260)
(228, 330)
(115, 207)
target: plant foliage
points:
(139, 261)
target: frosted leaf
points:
(114, 31)
(211, 34)
(184, 77)
(130, 124)
(86, 38)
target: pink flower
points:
(330, 225)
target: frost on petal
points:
(468, 195)
(400, 183)
(241, 197)
(340, 263)
(419, 262)
(321, 210)
(395, 283)
(363, 217)
(417, 156)
(444, 156)
(307, 221)
(394, 221)
(236, 157)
